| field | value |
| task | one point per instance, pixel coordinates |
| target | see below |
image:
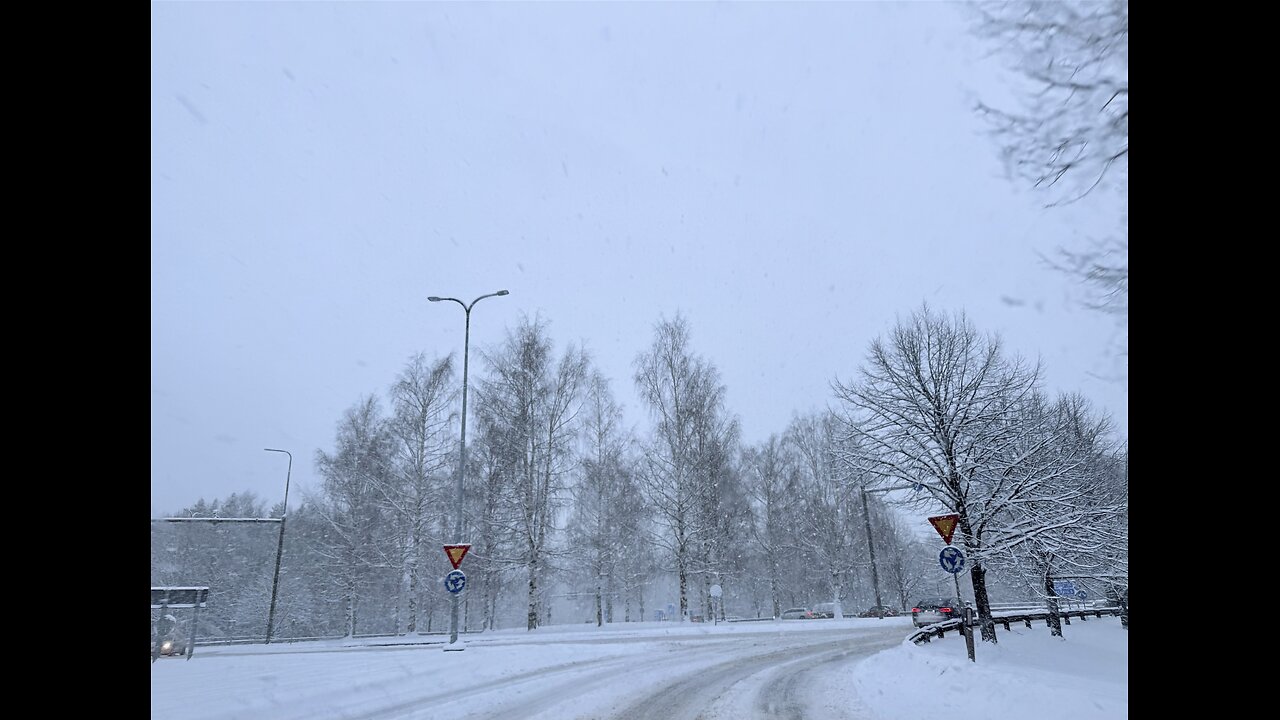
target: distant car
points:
(797, 614)
(172, 646)
(878, 611)
(824, 610)
(937, 609)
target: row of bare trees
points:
(571, 511)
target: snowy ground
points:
(822, 669)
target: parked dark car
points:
(932, 610)
(879, 611)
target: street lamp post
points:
(275, 579)
(462, 460)
(871, 546)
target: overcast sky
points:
(790, 177)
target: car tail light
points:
(944, 609)
(915, 610)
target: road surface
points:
(779, 669)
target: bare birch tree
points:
(827, 525)
(423, 440)
(534, 402)
(771, 485)
(607, 505)
(490, 510)
(352, 481)
(686, 404)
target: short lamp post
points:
(275, 579)
(462, 461)
(871, 546)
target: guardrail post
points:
(195, 621)
(966, 627)
(155, 647)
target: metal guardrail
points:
(928, 632)
(259, 640)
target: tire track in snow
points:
(565, 678)
(728, 684)
(787, 696)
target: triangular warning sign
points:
(945, 525)
(456, 553)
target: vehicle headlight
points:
(166, 646)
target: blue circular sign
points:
(951, 559)
(455, 581)
(1082, 595)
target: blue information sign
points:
(455, 581)
(951, 559)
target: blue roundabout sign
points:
(455, 581)
(951, 559)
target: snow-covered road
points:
(795, 669)
(769, 680)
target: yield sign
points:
(456, 553)
(945, 525)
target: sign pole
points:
(952, 560)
